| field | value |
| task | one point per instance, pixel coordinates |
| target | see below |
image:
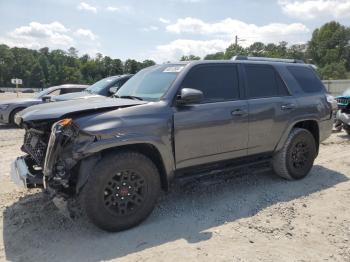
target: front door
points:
(215, 129)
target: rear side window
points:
(306, 78)
(263, 81)
(217, 82)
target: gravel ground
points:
(251, 216)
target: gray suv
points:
(116, 154)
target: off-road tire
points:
(12, 115)
(103, 177)
(284, 163)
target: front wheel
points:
(296, 158)
(121, 191)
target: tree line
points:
(43, 68)
(328, 49)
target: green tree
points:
(329, 45)
(234, 50)
(131, 66)
(6, 65)
(73, 52)
(147, 63)
(257, 49)
(37, 78)
(189, 58)
(333, 71)
(216, 56)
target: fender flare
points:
(290, 126)
(93, 155)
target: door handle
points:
(288, 107)
(238, 112)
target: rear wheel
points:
(296, 158)
(121, 191)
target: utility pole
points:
(237, 39)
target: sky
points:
(162, 30)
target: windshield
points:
(101, 85)
(150, 83)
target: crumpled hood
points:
(57, 110)
(73, 96)
(19, 101)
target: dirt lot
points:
(250, 217)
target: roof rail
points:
(267, 59)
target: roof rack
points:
(267, 59)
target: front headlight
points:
(4, 106)
(66, 127)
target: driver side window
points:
(217, 82)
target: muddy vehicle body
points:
(116, 154)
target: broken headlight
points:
(66, 127)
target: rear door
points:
(215, 129)
(270, 107)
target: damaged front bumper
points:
(343, 117)
(23, 177)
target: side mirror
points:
(46, 99)
(113, 89)
(190, 96)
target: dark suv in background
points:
(172, 120)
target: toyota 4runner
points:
(116, 154)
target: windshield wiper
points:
(129, 97)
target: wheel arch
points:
(309, 124)
(147, 149)
(13, 112)
(312, 127)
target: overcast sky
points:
(162, 30)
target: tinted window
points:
(282, 89)
(306, 78)
(263, 81)
(218, 83)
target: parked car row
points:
(115, 154)
(105, 87)
(9, 108)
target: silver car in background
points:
(9, 108)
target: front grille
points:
(35, 146)
(343, 101)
